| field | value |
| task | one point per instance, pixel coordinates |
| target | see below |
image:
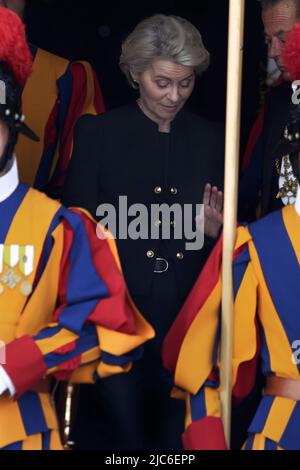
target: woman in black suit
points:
(152, 152)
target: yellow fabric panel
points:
(39, 97)
(11, 423)
(244, 342)
(243, 236)
(292, 223)
(29, 227)
(88, 108)
(90, 356)
(259, 442)
(278, 343)
(199, 343)
(212, 402)
(278, 418)
(85, 374)
(48, 410)
(55, 443)
(64, 337)
(7, 330)
(117, 343)
(106, 370)
(33, 442)
(47, 288)
(200, 339)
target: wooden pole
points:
(234, 84)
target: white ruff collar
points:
(9, 182)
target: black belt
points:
(161, 266)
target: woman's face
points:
(164, 88)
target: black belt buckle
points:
(161, 266)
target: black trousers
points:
(134, 411)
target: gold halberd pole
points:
(233, 117)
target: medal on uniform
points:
(26, 288)
(288, 183)
(14, 257)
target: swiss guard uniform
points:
(266, 324)
(62, 295)
(56, 94)
(266, 279)
(65, 311)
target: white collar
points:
(297, 203)
(9, 182)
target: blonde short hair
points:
(163, 37)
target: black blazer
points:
(122, 153)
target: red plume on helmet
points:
(290, 55)
(14, 50)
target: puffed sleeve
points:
(191, 349)
(95, 323)
(78, 94)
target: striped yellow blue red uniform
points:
(78, 322)
(56, 94)
(266, 325)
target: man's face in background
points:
(278, 21)
(18, 6)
